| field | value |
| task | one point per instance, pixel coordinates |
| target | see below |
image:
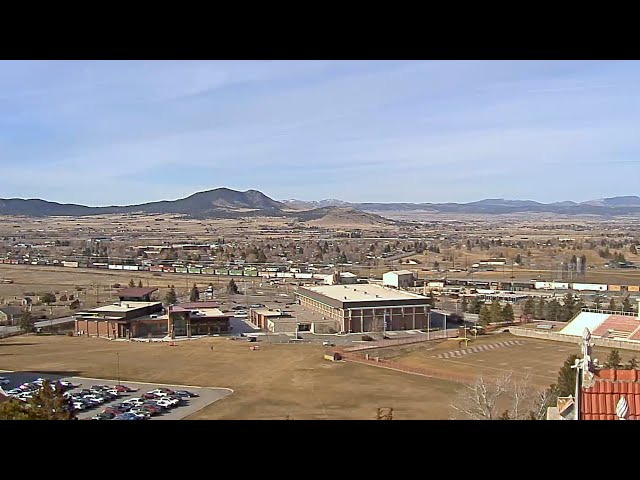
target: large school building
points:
(366, 307)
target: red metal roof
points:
(599, 401)
(136, 292)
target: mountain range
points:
(624, 205)
(227, 203)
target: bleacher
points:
(617, 326)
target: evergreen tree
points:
(633, 249)
(432, 299)
(132, 283)
(170, 298)
(496, 311)
(485, 316)
(566, 383)
(568, 307)
(46, 404)
(518, 259)
(541, 309)
(140, 284)
(554, 310)
(626, 304)
(48, 298)
(598, 302)
(232, 288)
(632, 364)
(25, 321)
(613, 359)
(507, 313)
(529, 307)
(194, 296)
(612, 305)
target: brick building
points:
(121, 320)
(197, 318)
(366, 307)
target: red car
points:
(124, 388)
(114, 411)
(149, 396)
(152, 409)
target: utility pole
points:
(118, 360)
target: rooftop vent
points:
(345, 298)
(377, 296)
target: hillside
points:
(220, 202)
(345, 217)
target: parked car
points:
(114, 411)
(79, 405)
(152, 409)
(150, 396)
(94, 398)
(124, 388)
(103, 416)
(4, 381)
(68, 384)
(158, 393)
(141, 412)
(186, 394)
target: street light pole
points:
(118, 358)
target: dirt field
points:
(96, 284)
(271, 383)
(542, 358)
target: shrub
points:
(366, 338)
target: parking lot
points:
(82, 387)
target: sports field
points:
(493, 355)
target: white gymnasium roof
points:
(363, 293)
(590, 320)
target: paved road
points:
(207, 395)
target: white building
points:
(398, 279)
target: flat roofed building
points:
(137, 294)
(398, 279)
(197, 318)
(119, 320)
(366, 307)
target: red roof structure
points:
(599, 401)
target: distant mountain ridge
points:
(623, 205)
(227, 203)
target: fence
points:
(423, 337)
(560, 337)
(422, 371)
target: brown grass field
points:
(274, 382)
(285, 380)
(541, 358)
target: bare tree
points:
(478, 401)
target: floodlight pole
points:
(118, 359)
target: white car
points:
(4, 381)
(134, 402)
(164, 403)
(158, 393)
(78, 406)
(94, 398)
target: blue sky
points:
(121, 132)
